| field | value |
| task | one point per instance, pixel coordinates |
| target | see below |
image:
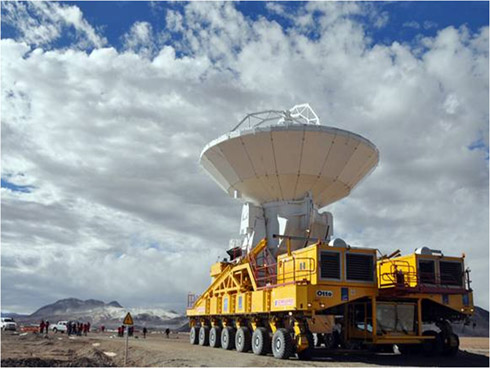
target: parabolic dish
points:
(284, 162)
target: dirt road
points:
(107, 350)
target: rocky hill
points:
(99, 313)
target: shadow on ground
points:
(462, 359)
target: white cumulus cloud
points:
(108, 141)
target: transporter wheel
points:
(194, 335)
(307, 353)
(433, 346)
(215, 337)
(451, 345)
(204, 336)
(261, 341)
(228, 338)
(331, 340)
(243, 340)
(282, 344)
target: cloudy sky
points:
(106, 107)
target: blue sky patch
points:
(406, 21)
(480, 145)
(16, 188)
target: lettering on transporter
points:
(324, 293)
(283, 302)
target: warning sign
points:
(128, 320)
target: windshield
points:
(8, 320)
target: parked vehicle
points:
(59, 327)
(8, 324)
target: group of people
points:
(77, 328)
(121, 329)
(44, 326)
(80, 328)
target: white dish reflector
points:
(285, 162)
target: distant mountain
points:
(68, 306)
(13, 315)
(115, 304)
(99, 313)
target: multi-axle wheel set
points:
(261, 341)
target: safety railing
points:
(264, 268)
(404, 277)
(292, 270)
(401, 273)
(302, 270)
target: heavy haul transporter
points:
(288, 285)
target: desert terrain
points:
(105, 349)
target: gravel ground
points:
(105, 350)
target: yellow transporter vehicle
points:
(246, 303)
(286, 293)
(311, 289)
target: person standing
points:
(46, 327)
(144, 332)
(41, 326)
(167, 332)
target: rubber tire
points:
(432, 347)
(282, 344)
(243, 340)
(228, 338)
(331, 341)
(194, 335)
(215, 337)
(204, 336)
(261, 341)
(451, 350)
(307, 353)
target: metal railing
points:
(404, 275)
(265, 270)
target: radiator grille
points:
(360, 267)
(451, 273)
(427, 272)
(330, 265)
